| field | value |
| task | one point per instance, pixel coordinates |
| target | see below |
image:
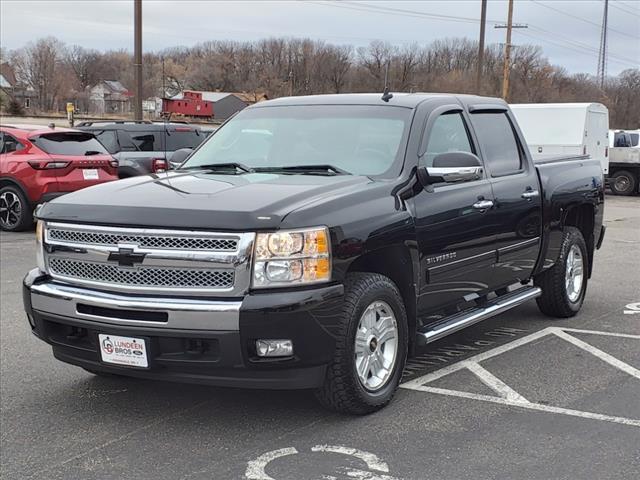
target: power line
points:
(368, 8)
(577, 44)
(572, 49)
(628, 12)
(397, 12)
(571, 15)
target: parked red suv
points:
(38, 164)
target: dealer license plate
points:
(90, 173)
(127, 351)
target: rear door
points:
(516, 214)
(455, 238)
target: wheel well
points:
(582, 218)
(395, 263)
(5, 182)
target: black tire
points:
(16, 213)
(623, 182)
(342, 390)
(555, 300)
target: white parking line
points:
(605, 357)
(531, 406)
(507, 395)
(493, 382)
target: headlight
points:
(40, 246)
(292, 257)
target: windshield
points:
(361, 140)
(69, 143)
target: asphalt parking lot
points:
(520, 396)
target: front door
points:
(455, 236)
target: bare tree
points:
(84, 64)
(279, 66)
(37, 65)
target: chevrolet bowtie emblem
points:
(126, 258)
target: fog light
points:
(274, 348)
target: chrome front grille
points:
(152, 261)
(160, 241)
(147, 277)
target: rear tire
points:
(16, 213)
(565, 284)
(372, 338)
(623, 182)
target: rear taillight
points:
(158, 165)
(48, 164)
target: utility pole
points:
(507, 51)
(164, 90)
(602, 55)
(483, 21)
(137, 57)
(291, 83)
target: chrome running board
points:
(456, 322)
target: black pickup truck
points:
(315, 242)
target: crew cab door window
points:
(498, 143)
(448, 134)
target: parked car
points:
(552, 129)
(318, 255)
(38, 164)
(143, 147)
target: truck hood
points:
(199, 200)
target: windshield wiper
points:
(221, 166)
(92, 152)
(309, 169)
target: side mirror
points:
(452, 167)
(179, 156)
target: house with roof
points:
(11, 89)
(216, 105)
(109, 97)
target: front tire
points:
(565, 284)
(371, 347)
(15, 211)
(623, 182)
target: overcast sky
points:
(568, 30)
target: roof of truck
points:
(407, 100)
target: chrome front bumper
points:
(173, 313)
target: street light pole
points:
(137, 58)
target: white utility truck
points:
(624, 162)
(553, 129)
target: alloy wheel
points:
(10, 210)
(376, 345)
(574, 273)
